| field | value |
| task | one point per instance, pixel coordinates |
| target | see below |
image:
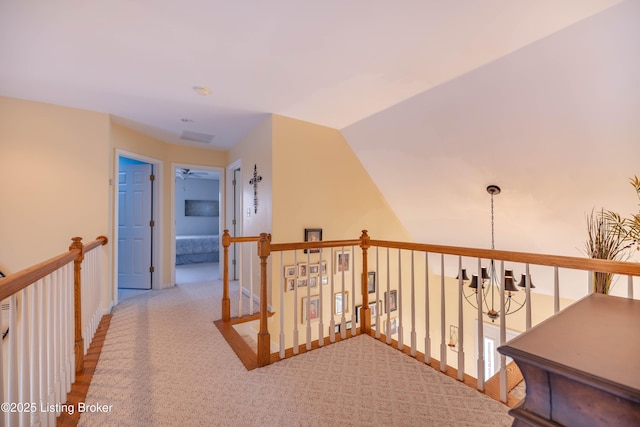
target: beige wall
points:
(125, 140)
(55, 180)
(318, 182)
(255, 150)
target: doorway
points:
(491, 343)
(135, 223)
(197, 223)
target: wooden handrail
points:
(278, 247)
(243, 239)
(589, 264)
(16, 282)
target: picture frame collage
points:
(311, 275)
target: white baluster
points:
(24, 326)
(282, 290)
(251, 280)
(556, 290)
(377, 295)
(630, 287)
(503, 338)
(427, 311)
(240, 277)
(332, 323)
(479, 303)
(413, 308)
(320, 301)
(13, 364)
(443, 326)
(527, 291)
(352, 299)
(460, 322)
(399, 303)
(295, 303)
(343, 332)
(35, 345)
(387, 300)
(308, 307)
(50, 349)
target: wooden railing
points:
(423, 289)
(53, 308)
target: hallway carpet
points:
(164, 363)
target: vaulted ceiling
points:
(437, 98)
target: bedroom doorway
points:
(197, 224)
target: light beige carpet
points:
(164, 363)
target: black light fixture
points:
(490, 282)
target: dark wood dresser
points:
(581, 366)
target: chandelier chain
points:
(492, 225)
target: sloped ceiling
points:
(555, 124)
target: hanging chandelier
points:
(489, 281)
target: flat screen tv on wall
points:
(201, 208)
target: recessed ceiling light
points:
(202, 90)
(185, 120)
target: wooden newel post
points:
(365, 323)
(226, 302)
(264, 339)
(77, 302)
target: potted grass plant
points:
(610, 236)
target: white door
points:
(491, 344)
(134, 226)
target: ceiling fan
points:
(183, 173)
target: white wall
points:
(555, 124)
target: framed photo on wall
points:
(371, 282)
(391, 303)
(341, 302)
(289, 271)
(310, 308)
(344, 261)
(312, 235)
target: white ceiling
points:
(333, 62)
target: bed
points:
(197, 248)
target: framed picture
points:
(303, 269)
(341, 302)
(290, 283)
(310, 308)
(371, 282)
(393, 326)
(338, 327)
(313, 281)
(302, 283)
(343, 261)
(314, 269)
(289, 271)
(312, 235)
(392, 301)
(373, 308)
(323, 268)
(325, 280)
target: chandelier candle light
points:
(490, 282)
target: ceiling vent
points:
(197, 137)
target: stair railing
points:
(47, 331)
